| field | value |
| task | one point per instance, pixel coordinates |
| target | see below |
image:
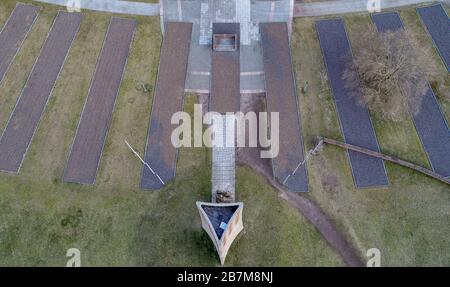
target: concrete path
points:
(346, 6)
(111, 6)
(300, 9)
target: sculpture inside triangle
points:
(222, 222)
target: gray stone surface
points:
(160, 153)
(223, 157)
(111, 6)
(14, 33)
(202, 13)
(281, 98)
(354, 119)
(437, 23)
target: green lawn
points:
(113, 222)
(408, 221)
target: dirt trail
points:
(312, 212)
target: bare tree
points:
(390, 67)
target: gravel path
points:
(282, 98)
(97, 112)
(29, 108)
(355, 120)
(14, 33)
(345, 6)
(300, 9)
(225, 73)
(112, 6)
(160, 154)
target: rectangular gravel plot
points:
(225, 90)
(225, 73)
(29, 108)
(437, 24)
(281, 97)
(430, 122)
(14, 33)
(354, 119)
(160, 154)
(97, 112)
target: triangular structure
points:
(222, 222)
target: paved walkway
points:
(112, 6)
(300, 9)
(346, 6)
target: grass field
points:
(113, 222)
(408, 221)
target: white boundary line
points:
(179, 10)
(254, 73)
(272, 10)
(143, 162)
(256, 91)
(307, 157)
(161, 17)
(197, 91)
(199, 73)
(291, 17)
(24, 38)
